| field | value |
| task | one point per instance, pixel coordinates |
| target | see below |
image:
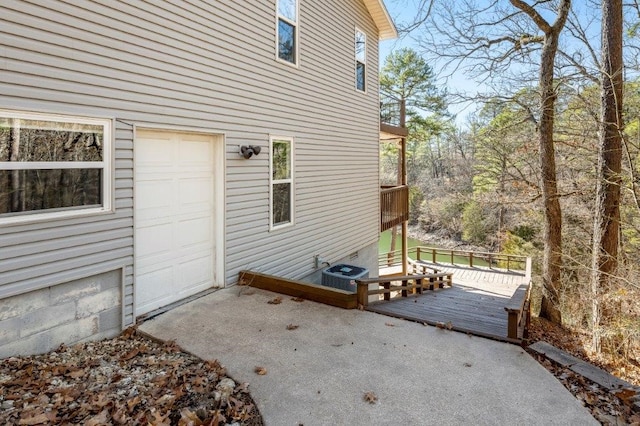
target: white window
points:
(53, 166)
(287, 39)
(361, 60)
(281, 182)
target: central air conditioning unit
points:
(343, 277)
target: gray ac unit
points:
(343, 276)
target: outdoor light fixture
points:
(247, 151)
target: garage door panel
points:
(195, 152)
(196, 191)
(195, 272)
(154, 240)
(158, 154)
(174, 217)
(194, 231)
(153, 288)
(153, 194)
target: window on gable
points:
(53, 166)
(288, 30)
(281, 182)
(361, 60)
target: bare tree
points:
(552, 261)
(492, 40)
(606, 229)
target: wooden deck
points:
(475, 304)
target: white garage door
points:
(174, 217)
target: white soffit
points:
(386, 27)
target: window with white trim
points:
(281, 182)
(53, 166)
(361, 60)
(287, 43)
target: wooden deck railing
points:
(394, 206)
(386, 285)
(519, 307)
(510, 262)
(469, 258)
(393, 115)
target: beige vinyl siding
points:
(210, 66)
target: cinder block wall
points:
(41, 320)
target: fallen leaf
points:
(297, 299)
(130, 354)
(34, 420)
(100, 419)
(76, 374)
(467, 364)
(275, 301)
(292, 327)
(260, 371)
(388, 324)
(626, 394)
(370, 397)
(449, 325)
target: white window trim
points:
(296, 24)
(106, 165)
(272, 226)
(355, 60)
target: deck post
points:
(433, 255)
(418, 253)
(452, 257)
(387, 286)
(419, 285)
(362, 294)
(512, 325)
(471, 259)
(404, 288)
(508, 258)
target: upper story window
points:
(53, 166)
(281, 182)
(288, 31)
(361, 60)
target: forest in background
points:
(482, 183)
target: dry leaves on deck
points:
(292, 327)
(297, 299)
(260, 371)
(275, 301)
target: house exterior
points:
(122, 186)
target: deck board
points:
(475, 304)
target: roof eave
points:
(386, 28)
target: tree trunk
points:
(552, 260)
(606, 236)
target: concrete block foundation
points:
(80, 310)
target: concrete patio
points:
(318, 373)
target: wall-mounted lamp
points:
(247, 151)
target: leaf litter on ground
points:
(609, 408)
(126, 380)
